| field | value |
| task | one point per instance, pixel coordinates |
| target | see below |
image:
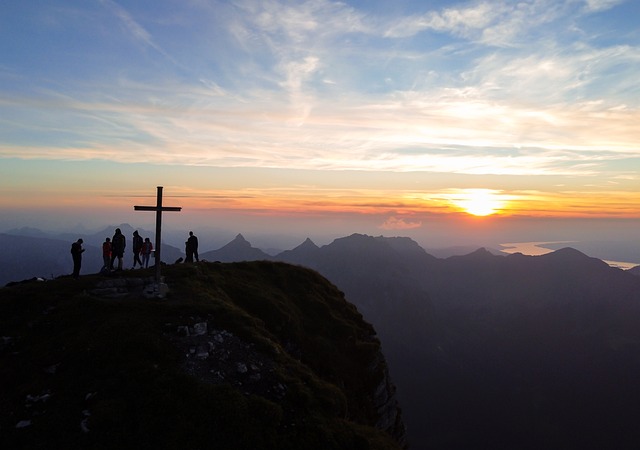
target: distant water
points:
(537, 249)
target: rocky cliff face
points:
(246, 355)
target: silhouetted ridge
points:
(28, 232)
(364, 249)
(401, 243)
(569, 255)
(304, 253)
(481, 254)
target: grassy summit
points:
(246, 355)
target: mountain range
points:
(492, 351)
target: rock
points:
(202, 352)
(37, 398)
(23, 424)
(199, 329)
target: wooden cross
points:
(158, 209)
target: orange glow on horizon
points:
(311, 201)
(475, 202)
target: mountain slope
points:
(500, 351)
(528, 352)
(246, 355)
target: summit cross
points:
(158, 209)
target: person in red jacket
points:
(145, 252)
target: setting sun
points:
(479, 202)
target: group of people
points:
(113, 249)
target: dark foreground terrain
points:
(256, 355)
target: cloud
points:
(457, 21)
(499, 23)
(399, 223)
(130, 24)
(593, 6)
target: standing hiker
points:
(192, 247)
(106, 254)
(76, 254)
(118, 244)
(145, 251)
(137, 246)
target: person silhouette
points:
(145, 251)
(137, 246)
(76, 254)
(106, 254)
(192, 247)
(118, 244)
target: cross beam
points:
(158, 209)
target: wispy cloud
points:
(135, 30)
(601, 5)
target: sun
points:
(479, 202)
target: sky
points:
(448, 121)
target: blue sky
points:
(535, 102)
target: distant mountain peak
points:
(303, 252)
(481, 254)
(482, 251)
(239, 241)
(308, 243)
(568, 251)
(569, 255)
(565, 254)
(239, 249)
